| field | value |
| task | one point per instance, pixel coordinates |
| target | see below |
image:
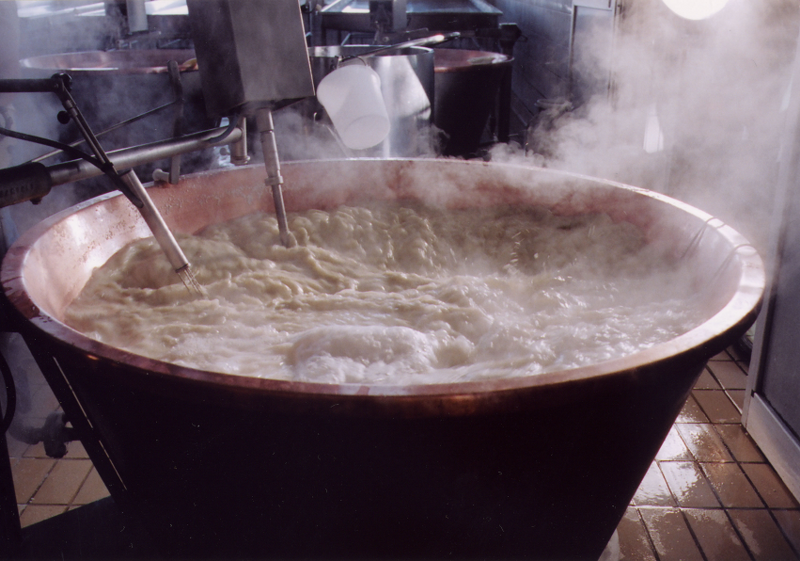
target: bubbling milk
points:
(393, 294)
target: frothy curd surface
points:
(395, 293)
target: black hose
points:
(71, 151)
(112, 128)
(11, 395)
(107, 168)
(233, 121)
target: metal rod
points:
(162, 233)
(112, 128)
(239, 156)
(269, 146)
(424, 41)
(77, 170)
(156, 222)
(129, 183)
(76, 115)
(177, 118)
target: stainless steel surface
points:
(771, 408)
(274, 180)
(250, 53)
(135, 191)
(407, 85)
(239, 154)
(162, 233)
(436, 15)
(137, 16)
(250, 467)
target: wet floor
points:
(711, 494)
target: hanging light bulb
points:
(695, 9)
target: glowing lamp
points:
(695, 9)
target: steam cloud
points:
(695, 109)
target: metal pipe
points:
(112, 128)
(239, 156)
(33, 180)
(137, 16)
(156, 222)
(174, 174)
(162, 233)
(77, 117)
(77, 170)
(126, 182)
(421, 42)
(266, 130)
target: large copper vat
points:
(226, 466)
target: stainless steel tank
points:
(215, 465)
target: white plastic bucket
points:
(351, 95)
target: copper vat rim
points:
(702, 342)
(463, 56)
(44, 63)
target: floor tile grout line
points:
(785, 535)
(730, 397)
(71, 501)
(684, 517)
(650, 541)
(714, 491)
(700, 468)
(739, 464)
(79, 487)
(692, 533)
(41, 483)
(738, 533)
(749, 480)
(736, 529)
(705, 478)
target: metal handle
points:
(24, 85)
(422, 42)
(24, 183)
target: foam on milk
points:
(394, 294)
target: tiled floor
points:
(46, 487)
(710, 495)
